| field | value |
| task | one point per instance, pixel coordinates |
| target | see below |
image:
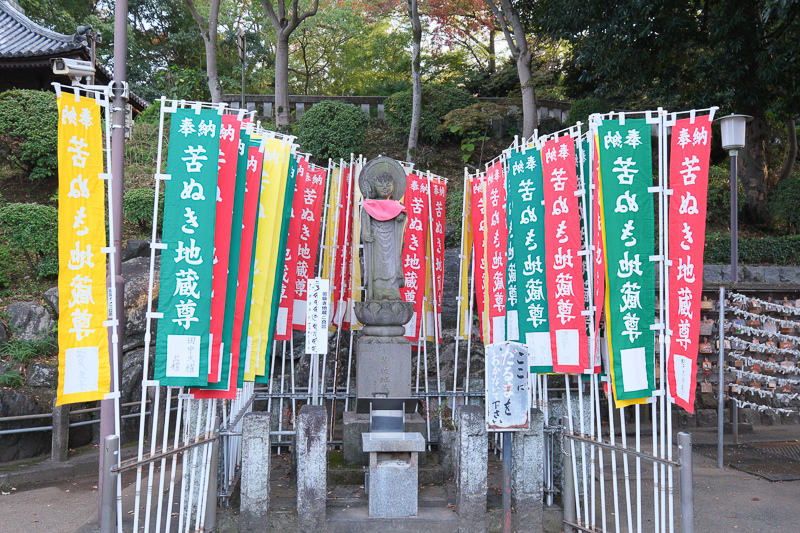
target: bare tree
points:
(514, 32)
(416, 79)
(208, 29)
(283, 30)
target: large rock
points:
(42, 374)
(29, 320)
(131, 389)
(450, 286)
(51, 299)
(136, 273)
(3, 334)
(135, 248)
(18, 403)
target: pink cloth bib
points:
(383, 209)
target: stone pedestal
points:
(393, 471)
(384, 367)
(356, 424)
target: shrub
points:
(775, 251)
(32, 229)
(137, 206)
(783, 203)
(29, 131)
(6, 266)
(11, 378)
(718, 202)
(437, 101)
(332, 130)
(25, 351)
(581, 109)
(472, 123)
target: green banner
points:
(526, 256)
(628, 229)
(182, 343)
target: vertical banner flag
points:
(526, 257)
(478, 213)
(628, 215)
(329, 255)
(182, 343)
(496, 241)
(599, 268)
(466, 249)
(563, 257)
(270, 151)
(414, 265)
(312, 196)
(226, 187)
(83, 365)
(241, 343)
(688, 178)
(438, 195)
(343, 256)
(225, 388)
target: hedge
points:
(769, 250)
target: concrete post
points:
(254, 508)
(473, 464)
(312, 466)
(686, 486)
(210, 520)
(527, 478)
(59, 451)
(568, 494)
(108, 497)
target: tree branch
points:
(198, 18)
(270, 11)
(500, 16)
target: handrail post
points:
(686, 486)
(108, 497)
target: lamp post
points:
(733, 140)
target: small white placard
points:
(540, 349)
(567, 346)
(317, 316)
(183, 356)
(283, 318)
(499, 329)
(299, 312)
(683, 376)
(411, 325)
(81, 369)
(512, 325)
(634, 369)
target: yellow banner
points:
(332, 225)
(267, 215)
(83, 365)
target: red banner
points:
(438, 198)
(255, 159)
(478, 211)
(226, 187)
(416, 239)
(496, 241)
(343, 251)
(688, 178)
(599, 255)
(313, 179)
(563, 260)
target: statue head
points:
(384, 186)
(382, 178)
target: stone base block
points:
(354, 425)
(393, 484)
(383, 368)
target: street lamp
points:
(733, 140)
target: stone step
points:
(357, 520)
(363, 502)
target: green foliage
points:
(137, 207)
(548, 125)
(29, 131)
(581, 109)
(11, 378)
(784, 202)
(718, 202)
(32, 229)
(332, 129)
(6, 266)
(472, 123)
(437, 101)
(773, 251)
(25, 351)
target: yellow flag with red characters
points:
(83, 365)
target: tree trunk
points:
(530, 119)
(282, 110)
(753, 171)
(416, 78)
(492, 54)
(214, 86)
(788, 164)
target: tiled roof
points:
(20, 37)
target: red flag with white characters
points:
(478, 211)
(496, 242)
(688, 179)
(563, 259)
(599, 255)
(416, 238)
